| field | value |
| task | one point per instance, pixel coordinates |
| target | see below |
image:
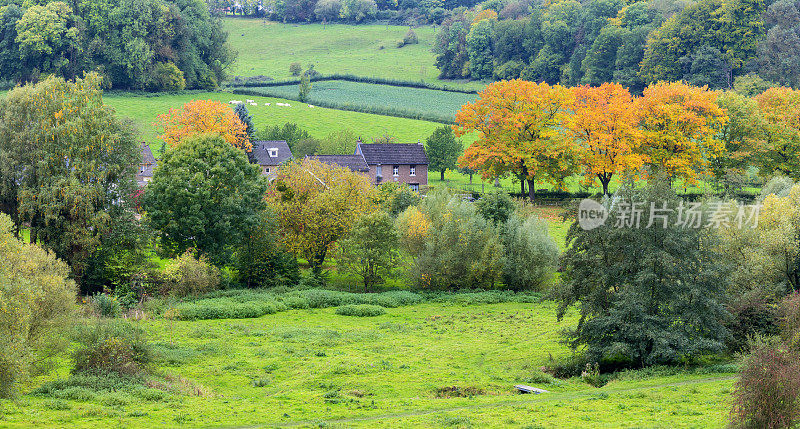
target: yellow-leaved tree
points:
(680, 127)
(519, 132)
(604, 128)
(316, 204)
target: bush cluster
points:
(360, 310)
(112, 346)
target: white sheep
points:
(254, 104)
(249, 101)
(310, 106)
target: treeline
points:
(148, 44)
(635, 44)
(410, 12)
(542, 132)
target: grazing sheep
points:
(254, 104)
(249, 101)
(310, 106)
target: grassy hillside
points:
(268, 48)
(441, 105)
(425, 365)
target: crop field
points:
(428, 103)
(432, 364)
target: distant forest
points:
(708, 42)
(134, 44)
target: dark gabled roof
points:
(393, 153)
(353, 162)
(261, 152)
(148, 162)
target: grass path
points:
(530, 399)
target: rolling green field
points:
(428, 102)
(424, 365)
(268, 48)
(318, 121)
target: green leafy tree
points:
(480, 40)
(496, 207)
(304, 88)
(48, 39)
(451, 47)
(647, 295)
(530, 254)
(67, 165)
(451, 245)
(37, 302)
(370, 250)
(261, 260)
(204, 196)
(443, 150)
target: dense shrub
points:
(188, 275)
(496, 207)
(509, 70)
(790, 321)
(451, 245)
(766, 395)
(360, 310)
(105, 305)
(166, 76)
(530, 254)
(752, 314)
(112, 346)
(295, 69)
(369, 251)
(37, 301)
(395, 198)
(262, 261)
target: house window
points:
(273, 152)
(414, 186)
(378, 171)
(413, 169)
(396, 170)
(266, 170)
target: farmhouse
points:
(395, 162)
(146, 167)
(270, 154)
(392, 162)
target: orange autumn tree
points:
(603, 126)
(779, 150)
(518, 125)
(680, 126)
(204, 116)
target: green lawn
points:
(418, 101)
(309, 367)
(268, 48)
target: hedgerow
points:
(243, 304)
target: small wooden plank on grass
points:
(529, 389)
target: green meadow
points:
(452, 363)
(268, 48)
(144, 109)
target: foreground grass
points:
(307, 367)
(268, 48)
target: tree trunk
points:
(605, 180)
(532, 189)
(442, 172)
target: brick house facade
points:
(381, 163)
(395, 162)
